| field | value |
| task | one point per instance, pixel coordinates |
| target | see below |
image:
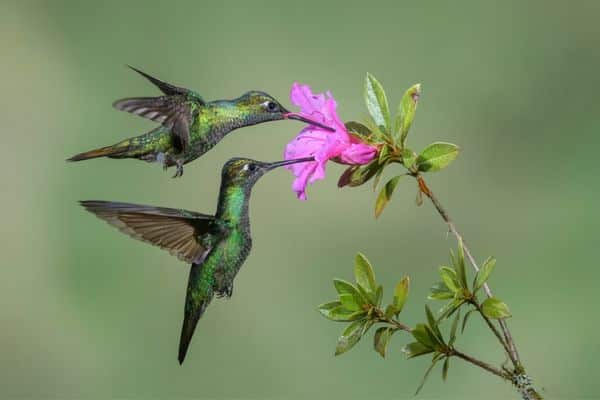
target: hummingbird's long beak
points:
(277, 164)
(298, 117)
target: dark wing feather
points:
(164, 87)
(155, 108)
(178, 231)
(174, 111)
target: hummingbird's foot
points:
(179, 171)
(225, 292)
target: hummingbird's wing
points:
(175, 110)
(164, 87)
(185, 234)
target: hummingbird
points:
(189, 126)
(215, 245)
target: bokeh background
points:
(86, 312)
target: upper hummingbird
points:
(216, 245)
(190, 126)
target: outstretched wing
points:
(175, 110)
(184, 234)
(165, 87)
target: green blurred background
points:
(87, 313)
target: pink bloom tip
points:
(324, 145)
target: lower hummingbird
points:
(189, 126)
(216, 245)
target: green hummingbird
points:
(216, 246)
(189, 126)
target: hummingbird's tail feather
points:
(109, 151)
(196, 301)
(140, 147)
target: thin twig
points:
(394, 322)
(481, 364)
(513, 354)
(452, 352)
(492, 327)
(527, 391)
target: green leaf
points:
(454, 328)
(346, 176)
(416, 349)
(466, 317)
(433, 324)
(368, 325)
(390, 311)
(450, 279)
(384, 154)
(383, 160)
(435, 336)
(326, 308)
(426, 375)
(370, 296)
(349, 302)
(400, 294)
(438, 356)
(420, 334)
(436, 156)
(343, 286)
(385, 194)
(495, 309)
(377, 103)
(336, 312)
(484, 273)
(378, 295)
(382, 339)
(350, 336)
(357, 176)
(406, 112)
(440, 291)
(459, 266)
(445, 368)
(363, 273)
(358, 129)
(377, 134)
(430, 318)
(450, 308)
(408, 157)
(342, 314)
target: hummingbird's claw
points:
(226, 291)
(179, 171)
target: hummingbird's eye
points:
(249, 167)
(271, 106)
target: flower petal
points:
(303, 97)
(320, 143)
(358, 153)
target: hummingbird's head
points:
(262, 107)
(245, 171)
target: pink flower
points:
(324, 145)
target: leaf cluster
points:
(359, 304)
(430, 340)
(389, 135)
(454, 288)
